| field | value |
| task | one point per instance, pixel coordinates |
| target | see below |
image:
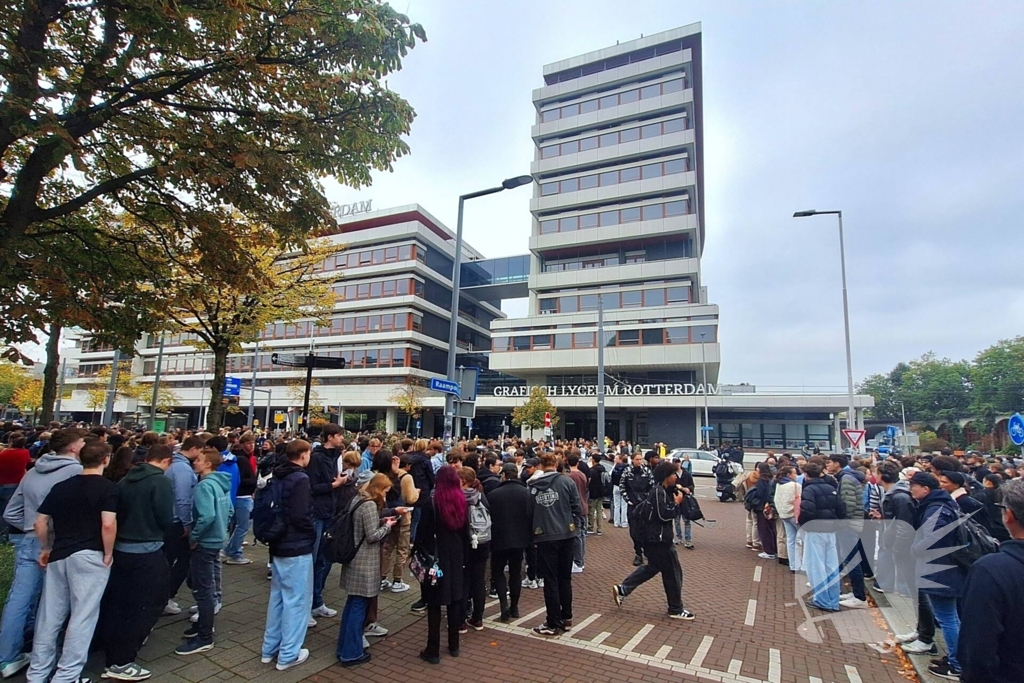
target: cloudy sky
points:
(907, 116)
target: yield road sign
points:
(1015, 426)
(855, 437)
(444, 385)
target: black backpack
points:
(690, 509)
(975, 542)
(268, 522)
(751, 501)
(340, 536)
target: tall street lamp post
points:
(453, 329)
(851, 422)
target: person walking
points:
(137, 590)
(291, 558)
(324, 482)
(557, 510)
(595, 494)
(211, 510)
(820, 502)
(21, 511)
(511, 532)
(663, 503)
(443, 538)
(176, 545)
(636, 483)
(361, 577)
(76, 555)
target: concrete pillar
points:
(391, 420)
(837, 436)
(341, 417)
(860, 417)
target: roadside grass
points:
(6, 570)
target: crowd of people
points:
(945, 531)
(109, 524)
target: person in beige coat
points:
(361, 577)
(743, 482)
(787, 503)
(397, 543)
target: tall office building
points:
(618, 218)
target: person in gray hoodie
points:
(556, 507)
(21, 512)
(183, 480)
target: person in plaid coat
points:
(361, 577)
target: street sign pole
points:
(310, 360)
(156, 384)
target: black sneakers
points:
(638, 560)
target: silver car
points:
(703, 463)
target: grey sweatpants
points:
(73, 585)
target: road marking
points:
(586, 622)
(815, 679)
(734, 666)
(663, 652)
(635, 640)
(757, 574)
(600, 637)
(751, 611)
(774, 666)
(853, 674)
(531, 615)
(702, 651)
(492, 603)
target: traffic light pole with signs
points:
(308, 361)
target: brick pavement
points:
(633, 643)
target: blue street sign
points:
(709, 428)
(891, 431)
(444, 386)
(1016, 428)
(232, 386)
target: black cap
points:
(925, 479)
(532, 462)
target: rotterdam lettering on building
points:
(686, 389)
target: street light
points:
(850, 418)
(453, 328)
(706, 436)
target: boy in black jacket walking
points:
(664, 502)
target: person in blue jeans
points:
(936, 510)
(683, 527)
(21, 513)
(324, 482)
(243, 499)
(291, 556)
(820, 509)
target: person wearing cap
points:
(511, 533)
(936, 510)
(664, 500)
(954, 483)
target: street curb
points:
(919, 662)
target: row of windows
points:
(91, 369)
(680, 207)
(616, 300)
(609, 178)
(614, 62)
(363, 324)
(676, 250)
(281, 382)
(90, 345)
(371, 358)
(373, 257)
(657, 336)
(792, 436)
(378, 290)
(607, 101)
(651, 130)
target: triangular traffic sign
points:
(854, 436)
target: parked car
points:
(704, 463)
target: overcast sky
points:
(907, 116)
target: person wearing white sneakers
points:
(397, 544)
(325, 481)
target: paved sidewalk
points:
(749, 628)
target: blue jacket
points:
(939, 577)
(211, 510)
(230, 467)
(991, 628)
(183, 480)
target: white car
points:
(703, 463)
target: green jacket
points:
(211, 509)
(145, 509)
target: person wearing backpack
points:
(291, 556)
(597, 482)
(360, 577)
(636, 484)
(324, 482)
(683, 525)
(935, 511)
(475, 585)
(656, 518)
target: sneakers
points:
(540, 583)
(194, 611)
(171, 609)
(8, 669)
(267, 659)
(357, 661)
(475, 625)
(311, 623)
(238, 560)
(375, 630)
(905, 637)
(854, 603)
(916, 647)
(270, 573)
(126, 672)
(638, 560)
(945, 670)
(677, 541)
(766, 556)
(526, 583)
(193, 646)
(577, 569)
(877, 587)
(688, 545)
(463, 628)
(685, 615)
(385, 584)
(399, 586)
(303, 656)
(419, 607)
(845, 596)
(324, 611)
(545, 630)
(618, 595)
(193, 631)
(493, 593)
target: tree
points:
(224, 295)
(124, 388)
(531, 413)
(28, 397)
(12, 376)
(881, 388)
(409, 399)
(998, 377)
(297, 394)
(936, 389)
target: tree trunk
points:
(215, 411)
(50, 372)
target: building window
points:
(653, 337)
(645, 131)
(563, 341)
(584, 340)
(625, 175)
